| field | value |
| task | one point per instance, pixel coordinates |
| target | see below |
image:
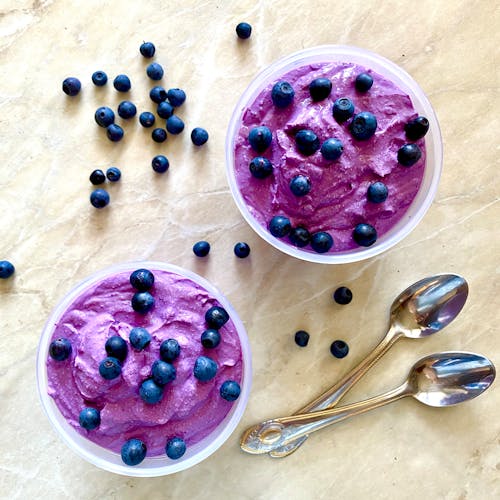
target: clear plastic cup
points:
(433, 145)
(151, 466)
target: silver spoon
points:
(424, 308)
(442, 379)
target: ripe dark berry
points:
(301, 338)
(147, 119)
(154, 71)
(364, 82)
(243, 30)
(122, 83)
(110, 368)
(299, 237)
(60, 349)
(210, 338)
(205, 368)
(71, 86)
(216, 317)
(280, 226)
(114, 132)
(343, 109)
(377, 192)
(158, 94)
(320, 89)
(99, 198)
(159, 135)
(321, 242)
(169, 350)
(241, 250)
(175, 125)
(339, 349)
(104, 116)
(199, 136)
(116, 347)
(142, 302)
(201, 248)
(176, 97)
(417, 128)
(165, 110)
(230, 390)
(300, 185)
(307, 142)
(142, 279)
(260, 167)
(282, 94)
(332, 149)
(160, 164)
(409, 154)
(150, 392)
(147, 49)
(342, 295)
(133, 452)
(6, 269)
(364, 235)
(99, 78)
(127, 109)
(175, 448)
(139, 338)
(89, 418)
(97, 177)
(113, 174)
(363, 125)
(162, 372)
(260, 138)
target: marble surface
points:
(50, 144)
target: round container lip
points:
(434, 147)
(101, 457)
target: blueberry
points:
(175, 125)
(300, 185)
(114, 132)
(150, 392)
(364, 235)
(243, 30)
(116, 347)
(158, 94)
(282, 94)
(332, 149)
(139, 338)
(260, 167)
(241, 250)
(199, 136)
(142, 279)
(205, 368)
(175, 448)
(147, 119)
(321, 242)
(377, 192)
(110, 368)
(343, 109)
(160, 164)
(201, 248)
(6, 269)
(320, 89)
(99, 78)
(159, 135)
(339, 349)
(113, 174)
(165, 110)
(162, 372)
(342, 295)
(71, 86)
(417, 128)
(230, 390)
(307, 142)
(154, 71)
(122, 83)
(97, 177)
(260, 138)
(409, 154)
(133, 452)
(60, 349)
(169, 350)
(147, 49)
(301, 338)
(210, 338)
(299, 237)
(216, 317)
(104, 116)
(176, 97)
(127, 109)
(99, 198)
(280, 226)
(364, 82)
(142, 302)
(89, 418)
(363, 125)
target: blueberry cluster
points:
(202, 249)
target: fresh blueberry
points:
(142, 302)
(307, 142)
(159, 135)
(417, 128)
(147, 49)
(169, 350)
(332, 149)
(60, 349)
(339, 349)
(142, 279)
(241, 250)
(260, 138)
(71, 86)
(110, 368)
(158, 94)
(165, 110)
(150, 392)
(116, 347)
(343, 109)
(89, 418)
(114, 132)
(301, 338)
(160, 164)
(342, 295)
(377, 192)
(154, 71)
(300, 185)
(104, 116)
(175, 448)
(113, 174)
(299, 237)
(243, 30)
(162, 372)
(175, 125)
(199, 136)
(364, 82)
(205, 368)
(122, 83)
(364, 235)
(99, 78)
(6, 269)
(139, 338)
(147, 119)
(99, 198)
(97, 177)
(260, 167)
(133, 452)
(201, 248)
(321, 242)
(210, 338)
(320, 89)
(216, 317)
(282, 94)
(280, 226)
(176, 97)
(127, 109)
(230, 390)
(363, 125)
(409, 154)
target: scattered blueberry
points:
(89, 418)
(175, 448)
(160, 164)
(169, 350)
(97, 177)
(260, 167)
(154, 71)
(377, 192)
(133, 452)
(301, 338)
(307, 142)
(127, 109)
(300, 185)
(99, 78)
(114, 132)
(364, 82)
(147, 119)
(260, 138)
(176, 97)
(363, 125)
(243, 30)
(241, 250)
(6, 269)
(116, 347)
(210, 338)
(216, 317)
(158, 94)
(162, 372)
(230, 390)
(364, 235)
(201, 248)
(71, 86)
(122, 83)
(104, 116)
(339, 349)
(110, 368)
(139, 338)
(199, 136)
(332, 149)
(142, 302)
(299, 237)
(150, 392)
(60, 349)
(147, 49)
(165, 110)
(159, 135)
(417, 128)
(99, 198)
(342, 295)
(113, 174)
(282, 94)
(320, 89)
(280, 226)
(321, 242)
(142, 279)
(343, 109)
(175, 125)
(205, 368)
(409, 154)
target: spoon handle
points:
(333, 395)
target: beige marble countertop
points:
(50, 144)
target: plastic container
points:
(151, 466)
(433, 144)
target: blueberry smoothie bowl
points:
(333, 154)
(144, 369)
